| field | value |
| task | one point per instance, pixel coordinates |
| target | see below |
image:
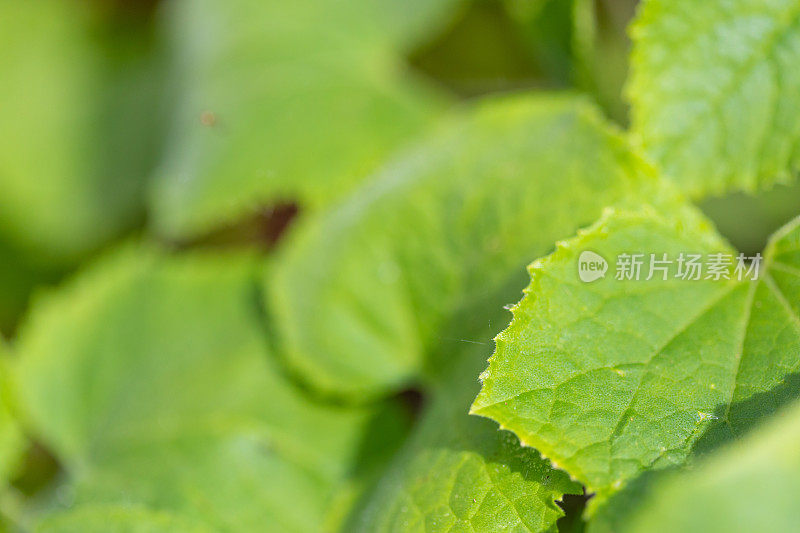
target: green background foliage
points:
(255, 254)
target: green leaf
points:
(118, 519)
(459, 473)
(715, 91)
(403, 24)
(150, 378)
(280, 102)
(601, 48)
(750, 486)
(612, 378)
(11, 438)
(544, 27)
(747, 220)
(79, 124)
(19, 275)
(360, 294)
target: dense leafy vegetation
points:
(254, 256)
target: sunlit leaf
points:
(150, 378)
(615, 377)
(751, 486)
(118, 519)
(460, 473)
(715, 91)
(361, 294)
(80, 124)
(282, 101)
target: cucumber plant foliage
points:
(216, 389)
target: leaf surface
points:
(615, 377)
(360, 295)
(459, 473)
(715, 91)
(118, 519)
(11, 438)
(150, 378)
(79, 125)
(283, 102)
(750, 486)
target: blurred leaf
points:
(404, 23)
(616, 377)
(281, 101)
(546, 30)
(459, 473)
(601, 47)
(79, 120)
(747, 220)
(749, 486)
(149, 377)
(11, 438)
(483, 51)
(19, 275)
(715, 91)
(361, 293)
(118, 519)
(12, 447)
